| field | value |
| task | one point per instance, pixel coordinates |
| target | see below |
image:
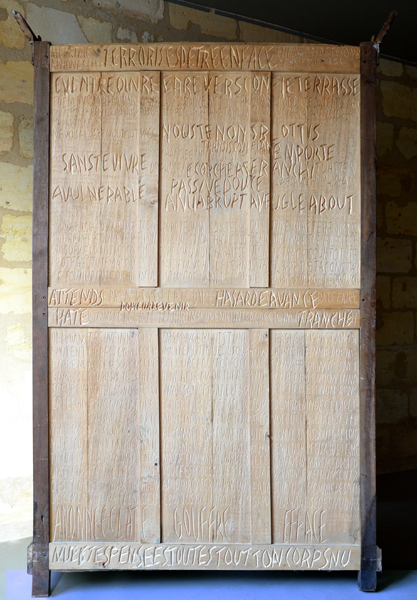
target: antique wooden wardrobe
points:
(204, 307)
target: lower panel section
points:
(83, 556)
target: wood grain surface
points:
(210, 308)
(200, 56)
(41, 453)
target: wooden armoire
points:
(204, 308)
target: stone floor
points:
(224, 586)
(397, 533)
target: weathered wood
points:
(332, 435)
(187, 446)
(205, 304)
(144, 298)
(113, 430)
(204, 556)
(30, 559)
(260, 185)
(184, 232)
(306, 58)
(260, 449)
(148, 224)
(229, 122)
(30, 36)
(68, 433)
(231, 486)
(385, 27)
(315, 195)
(74, 235)
(369, 58)
(41, 578)
(206, 318)
(288, 435)
(149, 423)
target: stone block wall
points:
(108, 21)
(397, 267)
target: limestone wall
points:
(397, 267)
(106, 21)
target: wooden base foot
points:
(367, 581)
(41, 583)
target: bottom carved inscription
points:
(113, 556)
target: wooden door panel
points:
(204, 312)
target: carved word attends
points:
(203, 298)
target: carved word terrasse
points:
(144, 556)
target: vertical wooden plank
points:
(75, 180)
(369, 58)
(184, 217)
(288, 243)
(260, 153)
(188, 512)
(332, 398)
(113, 509)
(117, 208)
(41, 576)
(149, 436)
(290, 518)
(315, 180)
(68, 434)
(149, 179)
(260, 476)
(332, 192)
(229, 178)
(231, 436)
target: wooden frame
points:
(40, 553)
(370, 560)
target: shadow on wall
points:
(396, 267)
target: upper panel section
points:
(235, 177)
(206, 57)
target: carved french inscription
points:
(104, 485)
(315, 437)
(68, 435)
(205, 436)
(204, 306)
(332, 445)
(195, 57)
(156, 316)
(203, 556)
(315, 200)
(229, 117)
(113, 411)
(182, 299)
(188, 512)
(260, 153)
(184, 229)
(104, 169)
(94, 187)
(288, 433)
